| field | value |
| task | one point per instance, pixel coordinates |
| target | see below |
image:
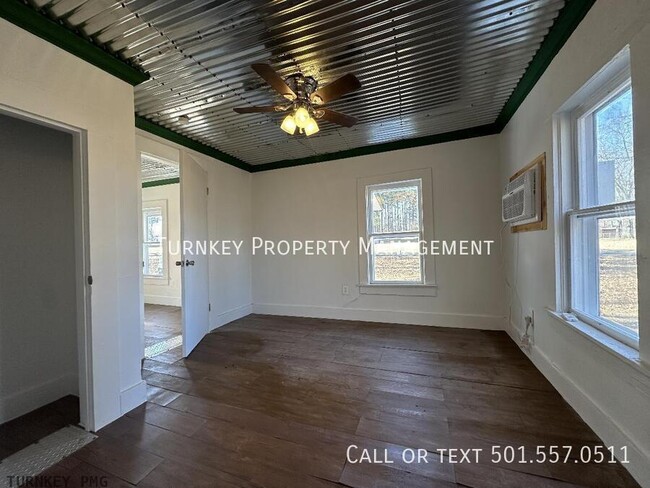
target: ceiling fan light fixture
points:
(301, 117)
(289, 125)
(311, 127)
(307, 100)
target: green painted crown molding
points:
(566, 22)
(25, 17)
(458, 135)
(168, 181)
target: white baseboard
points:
(31, 398)
(465, 321)
(592, 413)
(133, 397)
(230, 315)
(162, 300)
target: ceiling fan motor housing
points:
(302, 85)
(305, 98)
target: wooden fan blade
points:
(345, 84)
(338, 117)
(274, 79)
(253, 110)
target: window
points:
(394, 220)
(154, 233)
(394, 232)
(602, 225)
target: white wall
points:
(229, 217)
(320, 202)
(611, 395)
(167, 291)
(41, 79)
(38, 322)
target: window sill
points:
(399, 290)
(155, 280)
(627, 354)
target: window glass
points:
(395, 209)
(618, 296)
(152, 252)
(394, 232)
(153, 260)
(153, 226)
(614, 150)
(396, 259)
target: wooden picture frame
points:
(543, 222)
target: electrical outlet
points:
(527, 338)
(345, 290)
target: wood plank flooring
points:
(276, 401)
(161, 322)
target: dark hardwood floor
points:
(276, 402)
(19, 433)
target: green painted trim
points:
(458, 135)
(175, 137)
(566, 22)
(25, 17)
(170, 181)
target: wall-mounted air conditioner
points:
(521, 201)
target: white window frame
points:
(577, 189)
(426, 287)
(370, 235)
(588, 290)
(162, 205)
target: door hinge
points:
(90, 280)
(209, 307)
(207, 191)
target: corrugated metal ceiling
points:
(155, 168)
(426, 66)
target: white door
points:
(194, 228)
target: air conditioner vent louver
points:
(521, 201)
(514, 206)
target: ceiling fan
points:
(306, 100)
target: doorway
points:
(175, 199)
(162, 280)
(45, 383)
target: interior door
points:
(194, 228)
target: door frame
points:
(181, 153)
(170, 263)
(82, 256)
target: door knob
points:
(189, 263)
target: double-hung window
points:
(395, 222)
(602, 225)
(154, 233)
(394, 226)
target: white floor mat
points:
(36, 458)
(163, 346)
